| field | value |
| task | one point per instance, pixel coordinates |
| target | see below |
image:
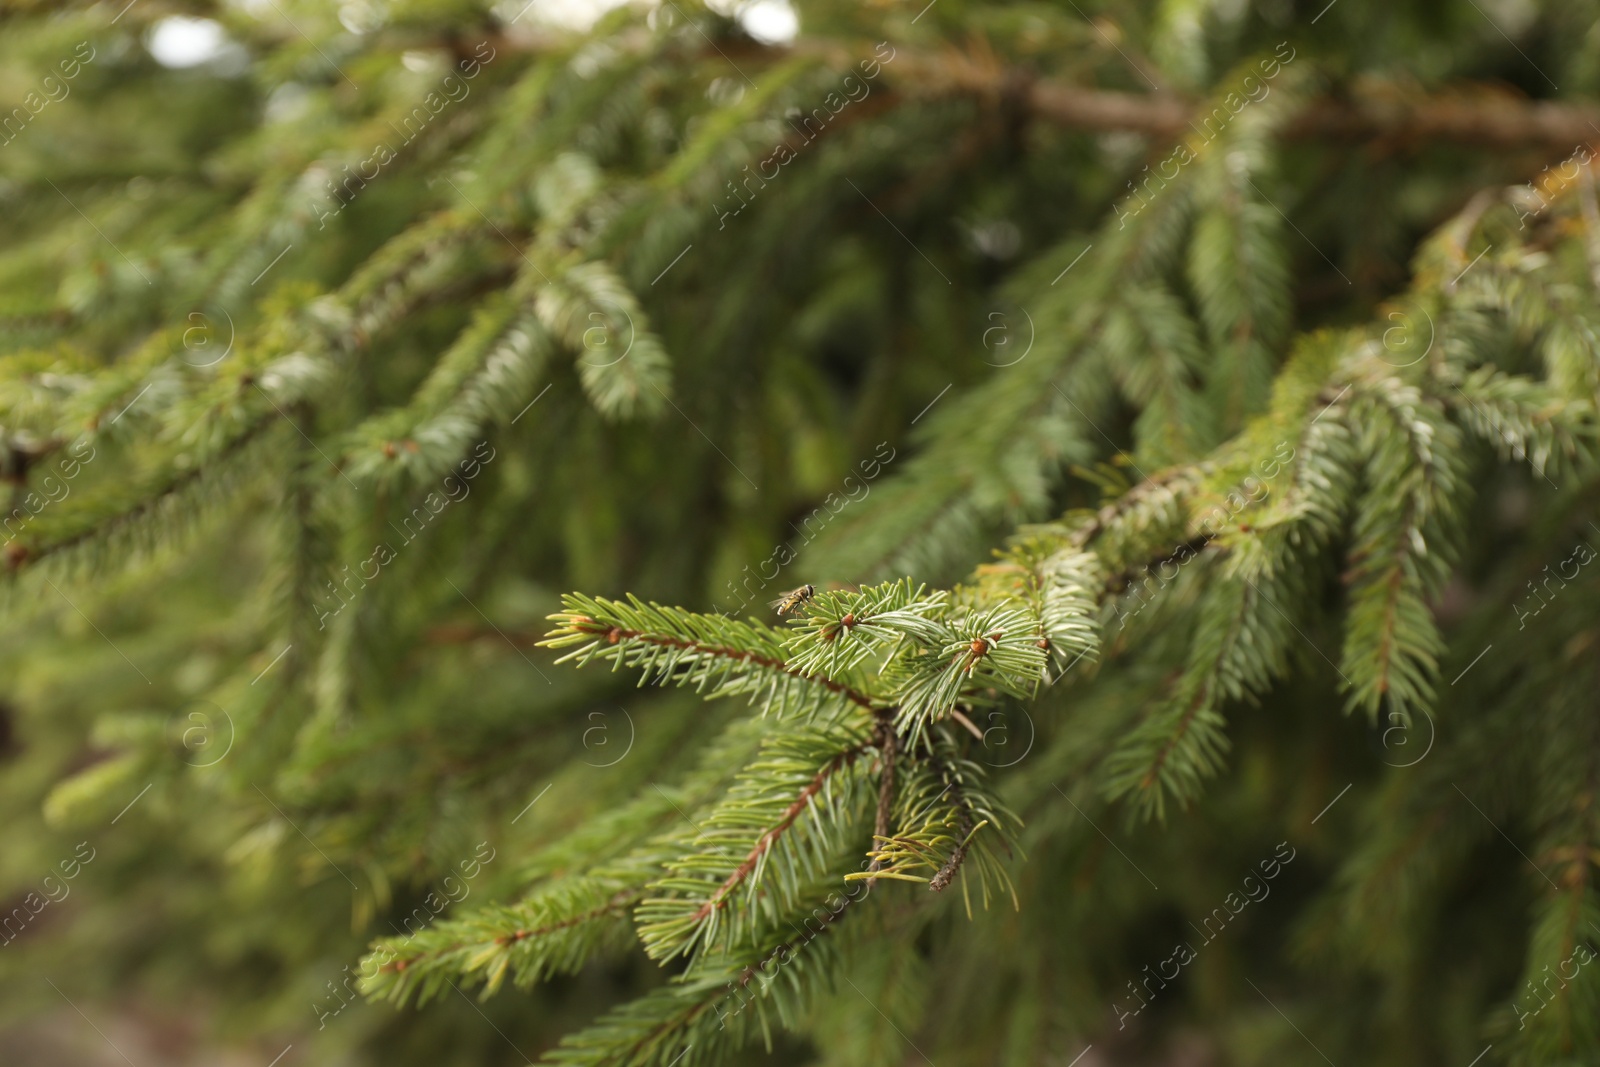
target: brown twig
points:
(943, 877)
(888, 746)
(1372, 110)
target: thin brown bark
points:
(1483, 116)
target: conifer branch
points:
(131, 517)
(554, 931)
(710, 1006)
(1524, 421)
(941, 815)
(615, 634)
(772, 833)
(708, 651)
(1400, 555)
(588, 179)
(1182, 742)
(748, 865)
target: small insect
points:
(789, 601)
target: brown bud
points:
(1044, 643)
(614, 635)
(16, 554)
(389, 451)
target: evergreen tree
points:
(1175, 421)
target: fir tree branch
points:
(706, 1006)
(719, 899)
(676, 644)
(130, 517)
(942, 811)
(1174, 482)
(1400, 552)
(618, 634)
(556, 930)
(774, 830)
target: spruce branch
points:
(118, 521)
(769, 837)
(588, 884)
(995, 449)
(1524, 421)
(723, 1002)
(554, 931)
(405, 271)
(1401, 551)
(715, 654)
(580, 171)
(1061, 587)
(840, 631)
(940, 813)
(996, 648)
(622, 365)
(774, 833)
(1181, 742)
